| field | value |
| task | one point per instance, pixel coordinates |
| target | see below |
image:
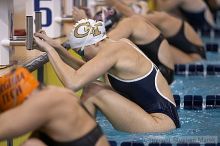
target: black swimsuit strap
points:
(181, 31)
(152, 49)
(180, 41)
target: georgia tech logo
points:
(88, 28)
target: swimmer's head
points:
(109, 16)
(15, 87)
(86, 32)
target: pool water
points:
(196, 85)
(213, 57)
(194, 124)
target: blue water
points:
(203, 123)
(196, 85)
(213, 57)
(201, 126)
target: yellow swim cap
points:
(15, 87)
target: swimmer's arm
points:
(122, 30)
(94, 68)
(72, 61)
(44, 42)
(72, 78)
(124, 9)
(63, 70)
(90, 71)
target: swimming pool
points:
(197, 126)
(193, 125)
(212, 57)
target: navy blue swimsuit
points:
(151, 50)
(144, 92)
(180, 41)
